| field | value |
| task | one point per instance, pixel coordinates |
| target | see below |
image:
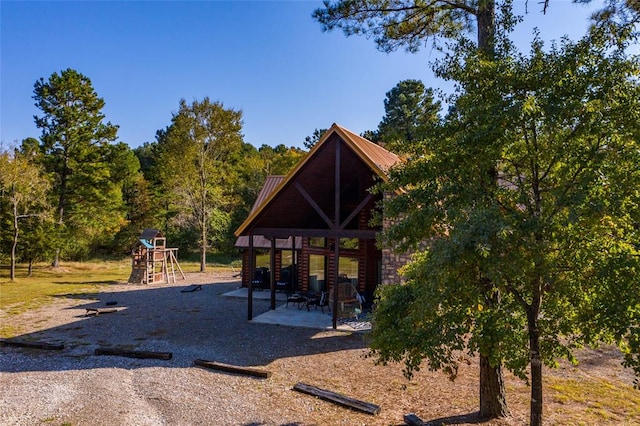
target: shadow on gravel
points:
(197, 325)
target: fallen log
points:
(98, 311)
(413, 420)
(248, 371)
(133, 354)
(337, 398)
(32, 345)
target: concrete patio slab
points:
(243, 293)
(295, 315)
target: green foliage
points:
(136, 195)
(310, 141)
(23, 190)
(410, 113)
(75, 150)
(398, 23)
(281, 159)
(197, 155)
(532, 189)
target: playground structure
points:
(153, 262)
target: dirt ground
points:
(73, 386)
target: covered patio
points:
(324, 210)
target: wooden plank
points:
(191, 288)
(133, 354)
(32, 345)
(233, 368)
(97, 311)
(337, 398)
(413, 420)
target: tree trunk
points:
(536, 374)
(30, 270)
(493, 402)
(486, 26)
(61, 202)
(56, 259)
(203, 251)
(12, 268)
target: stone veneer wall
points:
(392, 261)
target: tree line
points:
(77, 192)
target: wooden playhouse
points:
(152, 261)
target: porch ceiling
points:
(294, 208)
(328, 191)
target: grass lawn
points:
(75, 278)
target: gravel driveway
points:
(73, 386)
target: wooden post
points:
(272, 273)
(293, 274)
(32, 345)
(336, 239)
(337, 398)
(250, 283)
(133, 354)
(98, 311)
(413, 420)
(233, 368)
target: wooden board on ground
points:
(191, 288)
(413, 420)
(233, 368)
(337, 398)
(133, 354)
(98, 311)
(32, 345)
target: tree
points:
(410, 111)
(409, 23)
(310, 141)
(557, 238)
(281, 159)
(24, 187)
(197, 155)
(75, 152)
(136, 195)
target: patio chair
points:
(349, 300)
(261, 278)
(297, 299)
(284, 283)
(319, 301)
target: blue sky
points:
(267, 58)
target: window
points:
(349, 243)
(317, 272)
(317, 242)
(286, 258)
(349, 266)
(263, 259)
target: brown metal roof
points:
(270, 184)
(370, 152)
(378, 159)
